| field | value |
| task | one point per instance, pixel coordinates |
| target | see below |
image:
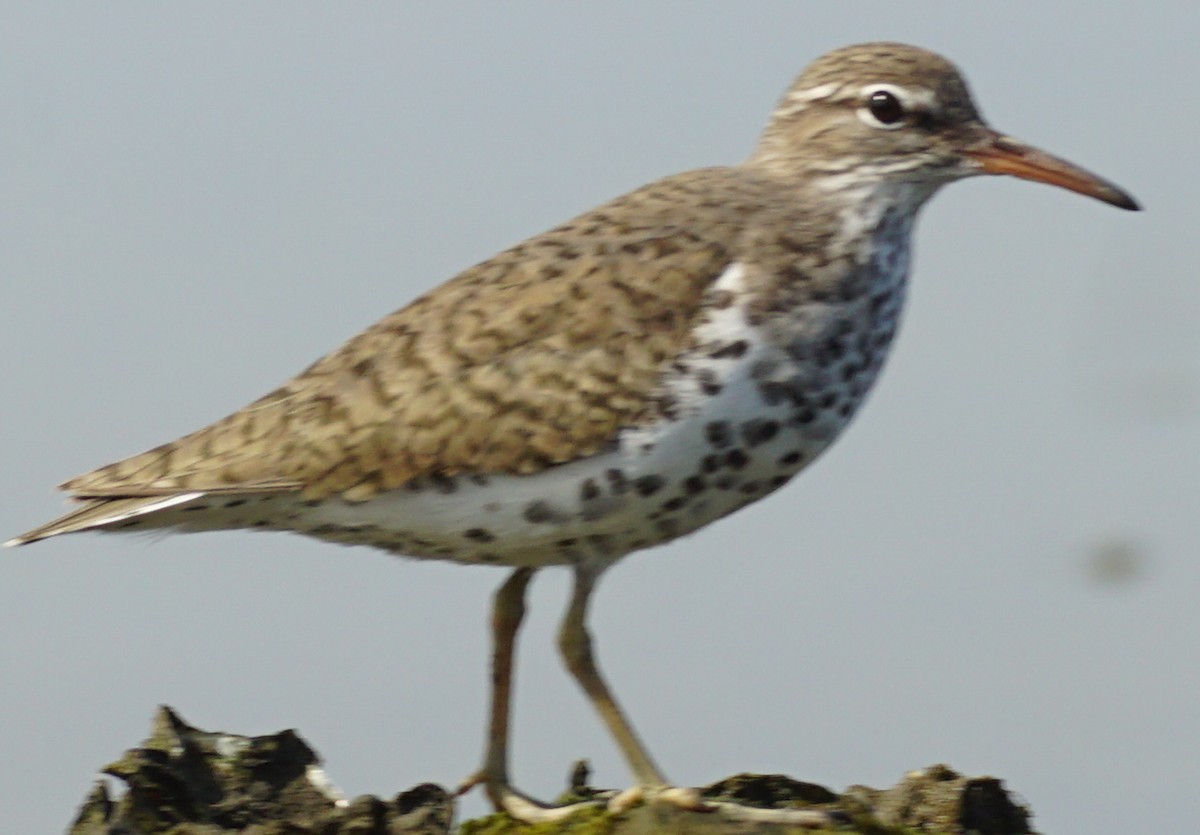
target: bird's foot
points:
(691, 800)
(524, 808)
(519, 805)
(802, 818)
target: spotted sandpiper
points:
(619, 381)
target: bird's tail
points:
(94, 514)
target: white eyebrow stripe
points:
(798, 100)
(821, 91)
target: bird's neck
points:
(861, 203)
(870, 210)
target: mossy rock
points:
(186, 781)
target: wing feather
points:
(493, 372)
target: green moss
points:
(590, 820)
(597, 821)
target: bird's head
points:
(887, 112)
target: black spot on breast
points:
(717, 433)
(758, 431)
(617, 481)
(479, 535)
(539, 512)
(708, 382)
(792, 458)
(589, 490)
(674, 504)
(732, 350)
(775, 392)
(778, 481)
(235, 503)
(710, 463)
(648, 485)
(693, 485)
(830, 351)
(736, 459)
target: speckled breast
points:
(750, 404)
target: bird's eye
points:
(883, 109)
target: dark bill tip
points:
(999, 154)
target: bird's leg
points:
(507, 614)
(508, 610)
(575, 644)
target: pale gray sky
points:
(996, 567)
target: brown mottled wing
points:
(533, 358)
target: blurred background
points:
(996, 567)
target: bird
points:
(609, 385)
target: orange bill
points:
(1000, 154)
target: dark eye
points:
(885, 107)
